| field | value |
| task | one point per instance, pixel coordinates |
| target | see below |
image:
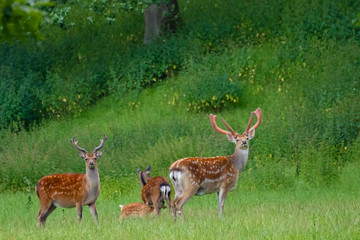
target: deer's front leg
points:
(221, 195)
(93, 211)
(79, 208)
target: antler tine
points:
(227, 125)
(75, 145)
(213, 123)
(248, 126)
(102, 141)
(258, 114)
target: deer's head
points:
(90, 158)
(241, 140)
(144, 175)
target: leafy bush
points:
(20, 19)
(209, 91)
(213, 83)
(145, 66)
(21, 75)
(68, 94)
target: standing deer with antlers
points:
(155, 190)
(69, 190)
(200, 176)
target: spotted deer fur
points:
(135, 210)
(155, 190)
(198, 176)
(69, 190)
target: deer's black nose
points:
(92, 165)
(244, 142)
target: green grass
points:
(298, 213)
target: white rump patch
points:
(175, 177)
(165, 191)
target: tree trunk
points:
(163, 17)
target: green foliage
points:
(97, 44)
(58, 15)
(21, 76)
(20, 19)
(210, 85)
(356, 21)
(68, 94)
(145, 66)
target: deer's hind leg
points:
(221, 195)
(46, 208)
(185, 196)
(158, 203)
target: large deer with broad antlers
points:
(198, 176)
(69, 190)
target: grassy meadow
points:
(321, 213)
(299, 61)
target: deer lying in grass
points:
(154, 190)
(197, 176)
(69, 190)
(135, 210)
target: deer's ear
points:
(82, 155)
(148, 169)
(251, 134)
(98, 154)
(231, 137)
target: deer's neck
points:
(142, 180)
(239, 158)
(92, 178)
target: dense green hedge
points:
(94, 48)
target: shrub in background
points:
(22, 71)
(145, 66)
(211, 84)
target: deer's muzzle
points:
(91, 165)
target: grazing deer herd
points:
(189, 176)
